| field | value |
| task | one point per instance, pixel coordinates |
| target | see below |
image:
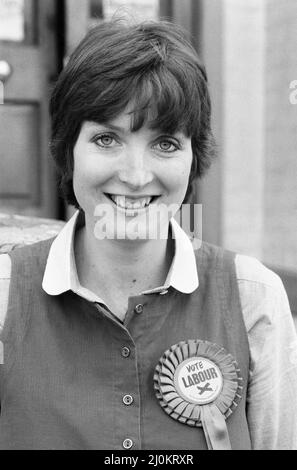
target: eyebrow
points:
(110, 126)
(116, 128)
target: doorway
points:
(28, 67)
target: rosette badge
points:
(198, 383)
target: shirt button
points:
(127, 443)
(128, 400)
(126, 352)
(138, 308)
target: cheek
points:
(90, 169)
(177, 175)
(85, 177)
(81, 175)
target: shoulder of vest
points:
(214, 256)
(36, 251)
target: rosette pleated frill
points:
(198, 383)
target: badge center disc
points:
(198, 380)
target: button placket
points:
(126, 392)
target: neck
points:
(131, 267)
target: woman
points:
(116, 338)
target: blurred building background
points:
(249, 48)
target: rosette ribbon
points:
(198, 383)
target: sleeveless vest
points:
(65, 374)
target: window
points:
(18, 21)
(106, 9)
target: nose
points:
(135, 171)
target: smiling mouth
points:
(131, 204)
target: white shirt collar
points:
(61, 275)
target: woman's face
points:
(130, 184)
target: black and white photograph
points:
(148, 227)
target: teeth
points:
(131, 204)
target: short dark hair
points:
(150, 64)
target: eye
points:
(167, 145)
(105, 141)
